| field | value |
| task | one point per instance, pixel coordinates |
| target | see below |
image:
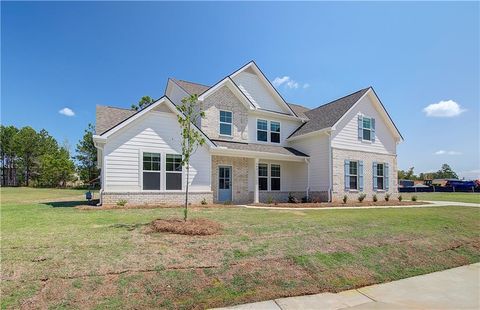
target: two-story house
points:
(259, 147)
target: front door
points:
(224, 183)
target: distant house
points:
(259, 147)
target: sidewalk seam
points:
(279, 307)
(358, 290)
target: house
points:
(259, 147)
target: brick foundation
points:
(152, 198)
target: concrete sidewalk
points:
(457, 288)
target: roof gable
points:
(108, 117)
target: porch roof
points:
(262, 148)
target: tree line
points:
(445, 172)
(31, 158)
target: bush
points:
(228, 202)
(400, 197)
(121, 202)
(375, 199)
(361, 197)
(292, 199)
(270, 200)
(414, 198)
(204, 201)
(306, 199)
(345, 198)
(387, 197)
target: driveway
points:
(456, 288)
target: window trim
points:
(220, 123)
(382, 177)
(272, 177)
(355, 175)
(369, 129)
(279, 133)
(266, 130)
(269, 177)
(264, 177)
(177, 172)
(163, 175)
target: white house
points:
(259, 147)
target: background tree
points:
(406, 175)
(87, 156)
(8, 155)
(56, 168)
(26, 144)
(446, 172)
(142, 103)
(191, 137)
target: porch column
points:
(255, 182)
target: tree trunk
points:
(185, 213)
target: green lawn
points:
(63, 257)
(460, 197)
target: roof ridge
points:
(179, 80)
(333, 101)
(118, 108)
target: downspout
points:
(330, 168)
(307, 190)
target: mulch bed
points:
(193, 227)
(340, 204)
(150, 206)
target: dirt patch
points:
(340, 205)
(193, 227)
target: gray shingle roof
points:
(276, 149)
(299, 110)
(107, 117)
(328, 114)
(190, 87)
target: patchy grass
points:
(54, 257)
(460, 197)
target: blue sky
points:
(77, 55)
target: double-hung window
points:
(274, 132)
(263, 177)
(367, 128)
(151, 171)
(353, 175)
(262, 130)
(225, 123)
(380, 176)
(274, 177)
(173, 174)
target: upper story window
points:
(366, 128)
(173, 174)
(151, 171)
(226, 123)
(274, 132)
(262, 130)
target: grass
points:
(459, 197)
(63, 257)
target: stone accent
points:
(224, 99)
(152, 198)
(239, 177)
(338, 160)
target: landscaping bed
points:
(340, 204)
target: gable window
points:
(367, 123)
(380, 176)
(366, 128)
(173, 174)
(353, 175)
(274, 132)
(151, 171)
(226, 123)
(263, 177)
(274, 177)
(262, 130)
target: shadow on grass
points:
(71, 204)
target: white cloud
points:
(447, 108)
(443, 152)
(67, 112)
(288, 82)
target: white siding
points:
(346, 134)
(293, 175)
(286, 127)
(153, 132)
(258, 94)
(317, 148)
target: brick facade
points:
(154, 198)
(275, 196)
(338, 161)
(239, 177)
(224, 99)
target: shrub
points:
(375, 199)
(345, 198)
(228, 202)
(387, 197)
(414, 198)
(292, 199)
(121, 202)
(306, 199)
(204, 201)
(400, 197)
(361, 197)
(270, 200)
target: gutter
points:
(330, 168)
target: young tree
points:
(142, 103)
(56, 168)
(191, 137)
(87, 156)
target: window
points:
(226, 123)
(263, 177)
(262, 130)
(274, 177)
(380, 176)
(353, 175)
(173, 174)
(274, 132)
(151, 171)
(367, 128)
